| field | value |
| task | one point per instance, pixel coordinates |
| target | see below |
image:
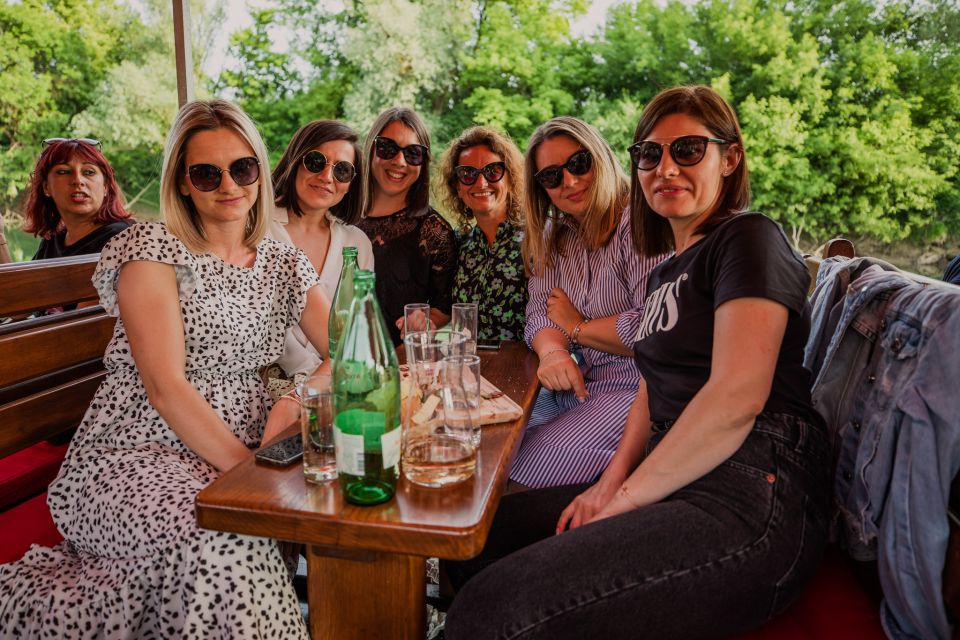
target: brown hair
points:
(651, 232)
(309, 137)
(41, 213)
(607, 195)
(418, 197)
(498, 144)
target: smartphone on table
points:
(282, 453)
(489, 345)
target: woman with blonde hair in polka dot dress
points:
(203, 303)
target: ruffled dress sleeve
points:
(149, 241)
(303, 278)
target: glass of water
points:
(463, 319)
(416, 317)
(460, 383)
(316, 425)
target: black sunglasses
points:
(387, 149)
(207, 177)
(577, 165)
(316, 162)
(685, 151)
(468, 175)
(93, 142)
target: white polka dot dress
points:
(134, 564)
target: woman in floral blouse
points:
(483, 174)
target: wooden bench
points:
(50, 367)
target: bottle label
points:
(390, 442)
(349, 450)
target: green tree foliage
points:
(849, 109)
(94, 68)
(53, 55)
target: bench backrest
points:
(50, 366)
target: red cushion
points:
(833, 607)
(27, 473)
(26, 524)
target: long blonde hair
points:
(178, 210)
(607, 196)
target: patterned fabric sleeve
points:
(636, 272)
(539, 286)
(149, 241)
(439, 243)
(303, 279)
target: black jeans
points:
(720, 556)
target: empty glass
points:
(416, 317)
(316, 425)
(463, 319)
(460, 385)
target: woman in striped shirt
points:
(580, 256)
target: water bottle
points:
(366, 401)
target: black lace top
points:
(416, 260)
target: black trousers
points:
(720, 556)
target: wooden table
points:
(366, 570)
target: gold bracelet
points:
(551, 352)
(292, 398)
(626, 495)
(575, 334)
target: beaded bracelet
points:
(575, 334)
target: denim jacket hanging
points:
(886, 384)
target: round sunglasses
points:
(207, 177)
(387, 149)
(576, 165)
(686, 151)
(316, 162)
(492, 172)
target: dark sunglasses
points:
(387, 149)
(207, 177)
(493, 172)
(93, 142)
(686, 151)
(576, 165)
(316, 162)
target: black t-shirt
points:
(93, 242)
(746, 256)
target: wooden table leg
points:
(365, 594)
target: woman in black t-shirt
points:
(713, 512)
(414, 248)
(75, 204)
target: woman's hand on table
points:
(559, 372)
(561, 312)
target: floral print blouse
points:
(493, 277)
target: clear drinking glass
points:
(431, 456)
(316, 425)
(416, 317)
(463, 319)
(460, 384)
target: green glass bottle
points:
(340, 305)
(366, 401)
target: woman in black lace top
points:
(414, 248)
